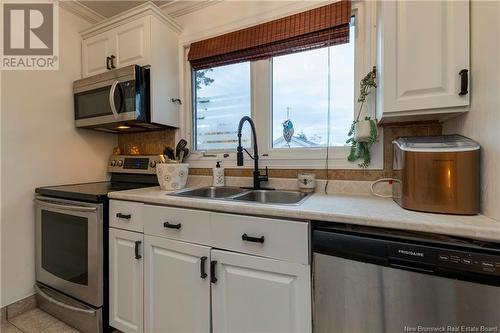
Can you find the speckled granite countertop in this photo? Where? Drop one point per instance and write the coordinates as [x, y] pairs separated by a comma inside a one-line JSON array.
[[357, 209]]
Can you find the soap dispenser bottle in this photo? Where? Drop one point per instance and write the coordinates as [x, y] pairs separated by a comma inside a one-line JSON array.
[[218, 175]]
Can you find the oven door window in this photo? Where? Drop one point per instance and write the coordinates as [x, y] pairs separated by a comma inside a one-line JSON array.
[[95, 103], [64, 246]]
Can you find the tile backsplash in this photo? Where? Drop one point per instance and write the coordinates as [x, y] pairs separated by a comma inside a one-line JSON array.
[[154, 142], [148, 143]]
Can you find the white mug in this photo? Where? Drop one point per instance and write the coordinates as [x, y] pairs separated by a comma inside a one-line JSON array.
[[306, 182]]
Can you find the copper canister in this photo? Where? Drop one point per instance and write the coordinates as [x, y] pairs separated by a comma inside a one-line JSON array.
[[438, 174]]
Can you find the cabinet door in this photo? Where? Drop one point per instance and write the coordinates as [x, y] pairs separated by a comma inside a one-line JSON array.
[[254, 294], [177, 286], [132, 43], [425, 44], [95, 50], [126, 280]]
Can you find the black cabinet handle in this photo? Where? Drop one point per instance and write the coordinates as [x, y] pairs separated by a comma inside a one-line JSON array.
[[176, 100], [112, 59], [171, 226], [203, 272], [108, 66], [247, 238], [137, 255], [213, 265], [123, 216], [464, 82]]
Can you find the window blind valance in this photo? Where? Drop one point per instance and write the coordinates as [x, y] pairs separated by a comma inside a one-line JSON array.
[[323, 26]]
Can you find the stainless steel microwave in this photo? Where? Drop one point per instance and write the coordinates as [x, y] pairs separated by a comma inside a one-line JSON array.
[[115, 101]]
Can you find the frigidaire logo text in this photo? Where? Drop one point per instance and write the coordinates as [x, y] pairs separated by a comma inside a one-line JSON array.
[[30, 36], [411, 253]]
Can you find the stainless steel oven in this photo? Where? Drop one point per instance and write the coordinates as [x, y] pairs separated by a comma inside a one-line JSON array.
[[69, 247], [115, 101]]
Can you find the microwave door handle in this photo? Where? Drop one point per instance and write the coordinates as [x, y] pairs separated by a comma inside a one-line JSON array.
[[66, 207], [112, 99]]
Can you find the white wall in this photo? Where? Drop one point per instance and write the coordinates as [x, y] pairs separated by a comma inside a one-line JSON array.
[[40, 146], [482, 123]]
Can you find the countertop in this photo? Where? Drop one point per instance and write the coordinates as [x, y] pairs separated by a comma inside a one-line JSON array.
[[356, 209]]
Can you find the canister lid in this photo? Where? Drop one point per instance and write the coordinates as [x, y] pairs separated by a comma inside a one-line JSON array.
[[438, 143]]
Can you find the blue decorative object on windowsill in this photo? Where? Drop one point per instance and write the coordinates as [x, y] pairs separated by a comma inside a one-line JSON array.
[[288, 129]]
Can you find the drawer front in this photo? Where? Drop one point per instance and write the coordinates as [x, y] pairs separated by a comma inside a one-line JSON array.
[[177, 223], [126, 215], [285, 240]]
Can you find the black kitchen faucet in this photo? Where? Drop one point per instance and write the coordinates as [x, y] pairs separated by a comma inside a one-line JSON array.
[[257, 177]]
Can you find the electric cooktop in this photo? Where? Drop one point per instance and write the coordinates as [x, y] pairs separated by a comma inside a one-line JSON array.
[[93, 192], [127, 173]]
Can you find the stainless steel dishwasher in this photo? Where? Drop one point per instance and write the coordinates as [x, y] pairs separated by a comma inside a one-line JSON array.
[[376, 280]]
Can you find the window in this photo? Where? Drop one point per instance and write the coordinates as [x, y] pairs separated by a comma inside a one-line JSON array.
[[305, 86], [221, 98], [315, 89], [309, 90]]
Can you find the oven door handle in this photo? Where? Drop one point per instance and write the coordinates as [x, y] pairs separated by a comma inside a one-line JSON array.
[[62, 304], [65, 206], [112, 99]]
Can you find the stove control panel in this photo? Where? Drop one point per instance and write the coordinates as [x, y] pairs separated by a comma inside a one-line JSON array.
[[139, 164]]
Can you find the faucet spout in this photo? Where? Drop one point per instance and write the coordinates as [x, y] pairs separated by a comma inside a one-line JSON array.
[[257, 177]]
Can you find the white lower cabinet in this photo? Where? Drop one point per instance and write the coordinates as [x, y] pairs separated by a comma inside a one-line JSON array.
[[254, 294], [194, 283], [126, 280], [177, 286]]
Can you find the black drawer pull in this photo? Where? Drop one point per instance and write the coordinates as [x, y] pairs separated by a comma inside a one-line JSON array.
[[123, 216], [247, 238], [213, 277], [171, 226], [108, 66], [464, 82], [203, 272], [137, 255], [112, 59]]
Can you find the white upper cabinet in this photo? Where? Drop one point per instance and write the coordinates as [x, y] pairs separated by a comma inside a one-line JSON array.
[[132, 43], [95, 52], [127, 44], [423, 46], [254, 294]]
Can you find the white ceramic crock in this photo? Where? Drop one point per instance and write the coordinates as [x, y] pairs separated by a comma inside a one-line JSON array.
[[172, 176]]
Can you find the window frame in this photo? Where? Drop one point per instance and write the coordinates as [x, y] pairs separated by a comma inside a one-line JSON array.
[[261, 110]]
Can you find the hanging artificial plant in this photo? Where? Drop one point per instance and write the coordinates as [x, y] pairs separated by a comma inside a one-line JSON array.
[[363, 133]]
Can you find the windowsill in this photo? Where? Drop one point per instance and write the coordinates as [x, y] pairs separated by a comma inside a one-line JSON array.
[[292, 160]]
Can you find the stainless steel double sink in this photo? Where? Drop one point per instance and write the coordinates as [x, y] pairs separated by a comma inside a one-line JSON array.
[[275, 197]]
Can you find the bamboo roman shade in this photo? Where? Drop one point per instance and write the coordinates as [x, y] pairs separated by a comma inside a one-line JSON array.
[[323, 26]]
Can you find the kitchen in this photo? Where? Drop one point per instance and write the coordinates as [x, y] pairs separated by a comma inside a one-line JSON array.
[[258, 252]]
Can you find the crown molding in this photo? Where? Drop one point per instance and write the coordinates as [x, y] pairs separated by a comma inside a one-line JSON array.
[[178, 8], [82, 11], [147, 8]]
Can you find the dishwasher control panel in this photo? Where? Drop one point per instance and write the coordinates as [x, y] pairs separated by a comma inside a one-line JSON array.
[[479, 263], [446, 258]]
